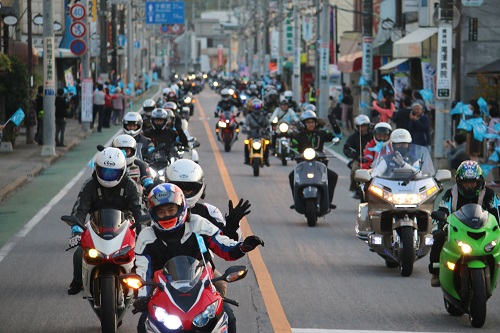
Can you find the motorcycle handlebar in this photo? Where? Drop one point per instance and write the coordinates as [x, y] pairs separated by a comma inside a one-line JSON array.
[[231, 301]]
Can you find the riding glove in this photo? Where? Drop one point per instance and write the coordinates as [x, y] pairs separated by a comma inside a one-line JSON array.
[[141, 303], [250, 243], [237, 213], [398, 159]]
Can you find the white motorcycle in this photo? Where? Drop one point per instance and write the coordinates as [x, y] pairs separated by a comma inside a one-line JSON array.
[[394, 215]]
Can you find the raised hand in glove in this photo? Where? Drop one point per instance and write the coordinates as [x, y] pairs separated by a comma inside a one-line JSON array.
[[398, 159], [141, 303], [237, 213], [75, 239], [250, 243]]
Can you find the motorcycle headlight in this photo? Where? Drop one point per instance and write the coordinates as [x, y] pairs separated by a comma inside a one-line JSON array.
[[222, 124], [243, 97], [231, 91], [403, 198], [209, 313], [170, 321], [187, 100], [283, 127], [256, 145], [309, 154], [464, 247], [489, 247], [205, 76], [216, 83], [93, 253]]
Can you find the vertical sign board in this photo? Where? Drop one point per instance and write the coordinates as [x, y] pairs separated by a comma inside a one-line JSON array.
[[87, 94], [444, 55], [288, 31], [49, 66], [323, 60], [368, 59]]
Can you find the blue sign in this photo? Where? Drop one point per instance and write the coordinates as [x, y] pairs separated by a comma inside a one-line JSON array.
[[165, 12], [137, 44], [121, 40]]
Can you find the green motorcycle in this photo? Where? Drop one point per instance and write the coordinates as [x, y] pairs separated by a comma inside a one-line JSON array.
[[469, 261]]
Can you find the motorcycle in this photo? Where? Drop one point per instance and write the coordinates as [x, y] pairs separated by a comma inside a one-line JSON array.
[[310, 189], [187, 101], [108, 242], [394, 215], [283, 133], [469, 261], [227, 129], [182, 297], [256, 145]]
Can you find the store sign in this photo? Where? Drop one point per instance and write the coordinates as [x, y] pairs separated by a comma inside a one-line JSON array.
[[472, 3], [444, 63], [410, 6]]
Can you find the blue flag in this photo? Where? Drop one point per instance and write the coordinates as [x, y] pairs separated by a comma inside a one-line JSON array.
[[380, 95], [17, 117], [377, 148], [487, 168], [388, 79], [483, 106], [494, 157], [426, 94], [362, 81]]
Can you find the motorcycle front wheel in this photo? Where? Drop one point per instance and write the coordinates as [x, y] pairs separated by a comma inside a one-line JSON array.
[[108, 305], [311, 212], [407, 251], [256, 166], [477, 310], [227, 142]]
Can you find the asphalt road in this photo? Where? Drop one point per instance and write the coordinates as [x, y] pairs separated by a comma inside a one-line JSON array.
[[325, 279]]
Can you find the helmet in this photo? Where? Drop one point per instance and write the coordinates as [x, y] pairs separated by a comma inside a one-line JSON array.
[[288, 94], [166, 91], [110, 166], [167, 194], [132, 118], [310, 107], [308, 115], [171, 106], [148, 105], [400, 135], [284, 102], [189, 176], [272, 95], [224, 93], [361, 120], [160, 114], [467, 173], [257, 105], [126, 141], [172, 96], [381, 129]]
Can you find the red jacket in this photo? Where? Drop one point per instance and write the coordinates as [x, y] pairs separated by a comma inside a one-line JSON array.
[[370, 155]]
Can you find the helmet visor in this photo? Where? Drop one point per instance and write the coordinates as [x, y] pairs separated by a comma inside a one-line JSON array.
[[189, 188], [108, 174]]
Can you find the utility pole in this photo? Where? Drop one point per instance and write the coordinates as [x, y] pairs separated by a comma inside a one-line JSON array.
[[114, 46], [367, 55], [324, 61], [49, 87], [317, 42], [280, 37], [296, 53], [103, 35], [86, 100], [30, 46], [130, 44], [443, 79]]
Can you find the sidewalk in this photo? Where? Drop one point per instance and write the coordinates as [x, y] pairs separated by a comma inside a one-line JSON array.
[[26, 162]]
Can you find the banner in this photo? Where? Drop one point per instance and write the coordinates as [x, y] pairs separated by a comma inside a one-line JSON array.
[[87, 94], [428, 75], [68, 77]]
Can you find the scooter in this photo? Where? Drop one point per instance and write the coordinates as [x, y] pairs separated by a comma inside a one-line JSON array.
[[183, 298], [394, 215], [227, 129], [469, 261], [107, 242], [310, 188]]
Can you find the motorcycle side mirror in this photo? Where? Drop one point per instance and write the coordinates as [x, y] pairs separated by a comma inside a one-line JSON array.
[[232, 274], [362, 176], [439, 216], [72, 221], [443, 175], [196, 143], [100, 147], [241, 123], [335, 141]]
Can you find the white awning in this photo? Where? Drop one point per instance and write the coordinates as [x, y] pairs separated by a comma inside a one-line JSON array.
[[410, 46], [393, 64]]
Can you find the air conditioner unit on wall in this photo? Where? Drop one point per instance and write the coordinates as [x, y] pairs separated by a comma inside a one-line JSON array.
[[426, 11]]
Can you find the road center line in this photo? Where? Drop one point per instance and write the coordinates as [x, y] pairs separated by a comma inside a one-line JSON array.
[[275, 311]]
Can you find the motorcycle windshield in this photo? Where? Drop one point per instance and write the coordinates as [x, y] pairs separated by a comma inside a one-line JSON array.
[[473, 216], [184, 272], [418, 162], [227, 114], [108, 223]]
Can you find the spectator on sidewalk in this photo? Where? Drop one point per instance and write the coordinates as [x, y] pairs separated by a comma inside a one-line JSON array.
[[118, 106], [61, 113], [108, 108], [39, 115], [347, 110], [385, 108], [98, 107], [420, 125], [457, 152], [31, 122], [402, 117]]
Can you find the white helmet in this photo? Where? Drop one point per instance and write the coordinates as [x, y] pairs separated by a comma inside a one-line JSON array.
[[110, 166], [189, 176], [224, 93], [148, 106], [166, 91], [135, 118], [361, 120], [382, 128], [400, 135], [126, 141], [288, 94]]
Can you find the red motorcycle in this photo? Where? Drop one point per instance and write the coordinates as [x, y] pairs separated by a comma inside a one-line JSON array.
[[183, 297], [227, 129], [108, 242]]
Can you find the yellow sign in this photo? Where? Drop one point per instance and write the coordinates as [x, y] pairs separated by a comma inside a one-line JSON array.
[[92, 10]]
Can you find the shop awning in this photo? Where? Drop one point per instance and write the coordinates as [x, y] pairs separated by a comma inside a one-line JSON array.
[[353, 62], [393, 64], [410, 46], [493, 68]]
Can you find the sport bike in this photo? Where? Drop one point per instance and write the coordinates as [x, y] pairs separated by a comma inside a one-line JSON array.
[[227, 129]]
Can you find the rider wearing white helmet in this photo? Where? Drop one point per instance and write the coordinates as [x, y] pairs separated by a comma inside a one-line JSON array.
[[132, 125], [381, 135], [108, 187]]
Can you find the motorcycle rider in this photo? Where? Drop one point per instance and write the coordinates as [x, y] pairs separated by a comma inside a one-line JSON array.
[[353, 148], [161, 131], [381, 135], [132, 125], [283, 114], [175, 231], [469, 188], [311, 137], [137, 169], [272, 101], [257, 122], [147, 107], [288, 95], [226, 103], [108, 187]]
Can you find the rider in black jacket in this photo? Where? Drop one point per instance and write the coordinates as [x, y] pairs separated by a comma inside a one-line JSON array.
[[226, 103], [161, 131]]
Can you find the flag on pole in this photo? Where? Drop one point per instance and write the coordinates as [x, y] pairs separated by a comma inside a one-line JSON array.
[[17, 117]]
